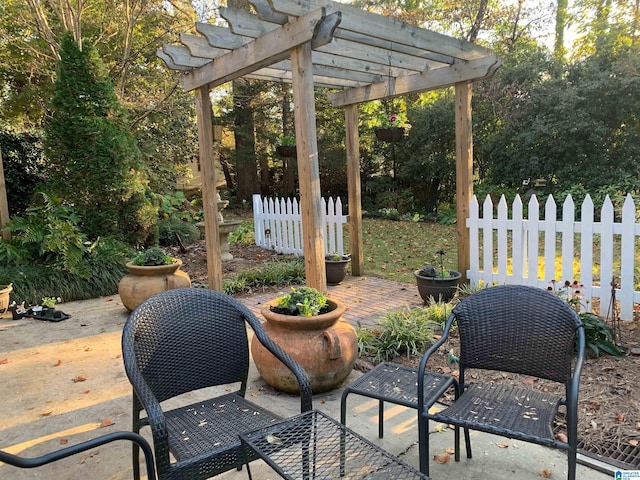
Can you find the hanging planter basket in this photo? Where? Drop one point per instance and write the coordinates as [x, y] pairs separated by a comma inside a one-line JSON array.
[[389, 134], [286, 150]]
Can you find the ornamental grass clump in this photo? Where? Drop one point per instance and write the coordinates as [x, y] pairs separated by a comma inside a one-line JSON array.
[[302, 302]]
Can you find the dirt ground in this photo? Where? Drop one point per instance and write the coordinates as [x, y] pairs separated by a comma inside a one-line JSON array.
[[609, 406]]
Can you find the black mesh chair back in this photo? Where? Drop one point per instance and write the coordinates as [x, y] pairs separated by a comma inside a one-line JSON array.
[[184, 340], [518, 329]]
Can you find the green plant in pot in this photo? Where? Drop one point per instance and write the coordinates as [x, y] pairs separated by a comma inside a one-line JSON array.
[[336, 267], [5, 292], [437, 283], [287, 146], [309, 327], [150, 272]]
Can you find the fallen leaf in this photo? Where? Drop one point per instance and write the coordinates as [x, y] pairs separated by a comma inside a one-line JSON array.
[[255, 394], [86, 391], [4, 361], [529, 380], [619, 417], [91, 454], [633, 443], [562, 437], [545, 472], [58, 363], [63, 441], [503, 445], [87, 349], [79, 378], [322, 402], [106, 423], [441, 458], [46, 414], [450, 450]]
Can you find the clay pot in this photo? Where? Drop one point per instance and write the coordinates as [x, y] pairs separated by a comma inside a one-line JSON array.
[[5, 291], [324, 345], [336, 270], [144, 281], [434, 288]]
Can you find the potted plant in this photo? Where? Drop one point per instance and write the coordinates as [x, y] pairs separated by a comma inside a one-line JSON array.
[[336, 267], [5, 291], [437, 283], [392, 127], [309, 327], [151, 271], [287, 146]]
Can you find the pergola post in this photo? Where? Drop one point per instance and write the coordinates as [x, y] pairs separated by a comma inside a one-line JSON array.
[[354, 189], [4, 204], [308, 168], [209, 197], [464, 171]]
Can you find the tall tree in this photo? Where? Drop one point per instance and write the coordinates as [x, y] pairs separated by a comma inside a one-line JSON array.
[[95, 161]]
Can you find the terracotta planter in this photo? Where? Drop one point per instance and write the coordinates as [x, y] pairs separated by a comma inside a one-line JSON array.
[[144, 282], [5, 291], [324, 345], [336, 270], [433, 288], [389, 134]]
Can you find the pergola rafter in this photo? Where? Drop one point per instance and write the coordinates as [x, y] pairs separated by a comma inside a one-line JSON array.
[[361, 56]]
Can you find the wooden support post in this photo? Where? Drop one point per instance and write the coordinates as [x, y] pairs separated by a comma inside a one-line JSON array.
[[209, 197], [353, 187], [4, 204], [464, 171], [308, 169]]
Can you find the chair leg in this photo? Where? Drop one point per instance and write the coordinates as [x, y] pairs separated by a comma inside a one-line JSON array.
[[380, 419], [423, 444], [467, 442], [343, 407]]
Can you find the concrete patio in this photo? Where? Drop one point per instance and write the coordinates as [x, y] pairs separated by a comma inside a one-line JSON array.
[[64, 382]]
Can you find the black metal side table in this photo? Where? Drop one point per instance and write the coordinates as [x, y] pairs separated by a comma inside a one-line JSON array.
[[313, 445], [389, 382]]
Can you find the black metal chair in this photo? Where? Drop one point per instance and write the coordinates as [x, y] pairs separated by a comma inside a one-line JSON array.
[[517, 329], [140, 442], [184, 340]]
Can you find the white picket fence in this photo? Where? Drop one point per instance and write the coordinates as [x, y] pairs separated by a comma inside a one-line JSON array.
[[278, 225], [509, 248]]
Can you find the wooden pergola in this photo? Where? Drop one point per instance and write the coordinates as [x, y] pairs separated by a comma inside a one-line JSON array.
[[364, 56]]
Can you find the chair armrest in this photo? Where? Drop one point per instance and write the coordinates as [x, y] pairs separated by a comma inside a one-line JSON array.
[[425, 358], [22, 462]]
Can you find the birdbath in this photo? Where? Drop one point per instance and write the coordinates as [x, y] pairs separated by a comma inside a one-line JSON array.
[[224, 229]]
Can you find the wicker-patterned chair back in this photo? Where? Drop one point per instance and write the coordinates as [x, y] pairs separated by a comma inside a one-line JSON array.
[[519, 329], [184, 340]]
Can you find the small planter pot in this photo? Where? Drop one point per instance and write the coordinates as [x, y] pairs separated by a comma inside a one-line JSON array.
[[389, 134], [145, 281], [336, 270], [433, 288], [286, 150], [5, 291]]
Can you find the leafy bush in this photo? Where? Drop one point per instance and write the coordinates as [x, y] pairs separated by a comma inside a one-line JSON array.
[[599, 335], [49, 235], [33, 282], [243, 235], [303, 302], [173, 227], [407, 331]]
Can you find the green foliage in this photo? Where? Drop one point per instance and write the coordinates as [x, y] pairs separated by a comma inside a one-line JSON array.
[[303, 301], [153, 256], [244, 234], [48, 301], [599, 335], [49, 235], [405, 331], [24, 168], [287, 140], [172, 227], [175, 205], [289, 271], [33, 282], [95, 162]]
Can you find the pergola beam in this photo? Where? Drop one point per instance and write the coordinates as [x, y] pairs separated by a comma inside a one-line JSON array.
[[431, 80], [270, 48]]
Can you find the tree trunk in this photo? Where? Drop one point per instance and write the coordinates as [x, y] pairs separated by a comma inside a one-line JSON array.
[[246, 172], [561, 24]]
